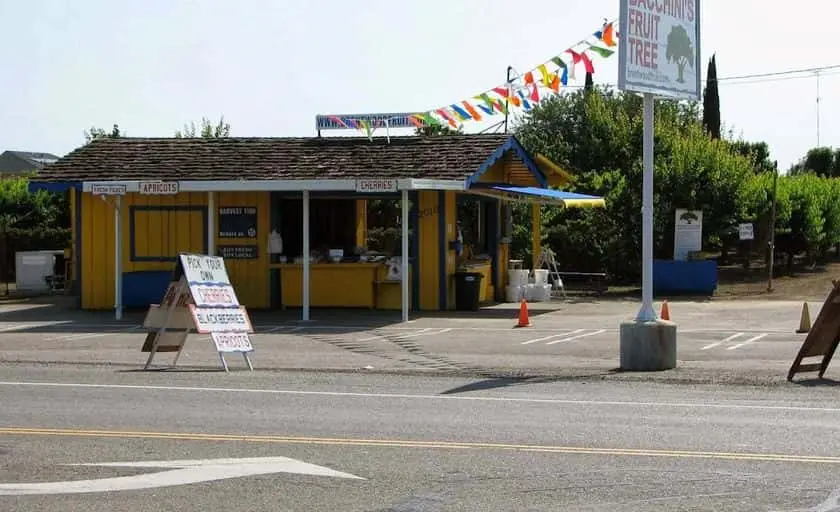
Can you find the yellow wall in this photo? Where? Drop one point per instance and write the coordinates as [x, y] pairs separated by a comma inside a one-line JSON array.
[[428, 219], [162, 231], [361, 223], [451, 259]]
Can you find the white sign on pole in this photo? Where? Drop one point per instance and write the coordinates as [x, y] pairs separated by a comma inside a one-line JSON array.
[[200, 297], [659, 47], [376, 185], [688, 232], [107, 189], [159, 187], [745, 231]]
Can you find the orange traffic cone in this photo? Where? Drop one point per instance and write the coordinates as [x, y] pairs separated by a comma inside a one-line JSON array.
[[524, 321], [665, 313]]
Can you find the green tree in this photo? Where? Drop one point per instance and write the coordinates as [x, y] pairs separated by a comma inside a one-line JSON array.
[[206, 130], [711, 101], [679, 50], [438, 129], [94, 133]]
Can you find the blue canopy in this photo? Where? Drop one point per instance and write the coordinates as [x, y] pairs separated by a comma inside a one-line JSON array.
[[547, 195]]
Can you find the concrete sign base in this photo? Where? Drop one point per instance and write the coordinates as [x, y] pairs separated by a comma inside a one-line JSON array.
[[648, 346]]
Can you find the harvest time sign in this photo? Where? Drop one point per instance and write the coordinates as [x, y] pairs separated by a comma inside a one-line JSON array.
[[662, 50]]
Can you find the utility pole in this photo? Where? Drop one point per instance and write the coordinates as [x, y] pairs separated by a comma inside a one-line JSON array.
[[507, 100], [772, 242], [818, 107]]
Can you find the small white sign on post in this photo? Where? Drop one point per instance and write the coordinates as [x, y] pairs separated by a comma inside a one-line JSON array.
[[688, 232], [376, 185], [160, 188], [199, 298], [107, 189], [745, 231]]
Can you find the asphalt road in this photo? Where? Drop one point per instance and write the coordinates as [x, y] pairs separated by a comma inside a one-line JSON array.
[[416, 443]]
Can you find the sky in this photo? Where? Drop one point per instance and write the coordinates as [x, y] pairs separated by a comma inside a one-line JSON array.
[[270, 66]]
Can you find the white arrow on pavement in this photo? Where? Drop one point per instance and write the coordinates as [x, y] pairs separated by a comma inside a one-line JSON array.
[[181, 472]]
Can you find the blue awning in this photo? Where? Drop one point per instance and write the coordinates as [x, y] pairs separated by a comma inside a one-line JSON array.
[[551, 196]]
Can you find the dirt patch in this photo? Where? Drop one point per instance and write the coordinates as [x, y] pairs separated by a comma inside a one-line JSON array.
[[803, 282]]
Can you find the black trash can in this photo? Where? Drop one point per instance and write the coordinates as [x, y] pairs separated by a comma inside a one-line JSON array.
[[467, 290]]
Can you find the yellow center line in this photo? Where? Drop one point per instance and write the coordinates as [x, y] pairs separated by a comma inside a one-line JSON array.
[[399, 443]]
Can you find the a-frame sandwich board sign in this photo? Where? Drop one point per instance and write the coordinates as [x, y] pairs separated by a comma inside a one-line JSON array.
[[199, 298], [822, 339]]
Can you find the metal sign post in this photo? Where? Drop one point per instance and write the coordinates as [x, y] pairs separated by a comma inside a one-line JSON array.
[[659, 55]]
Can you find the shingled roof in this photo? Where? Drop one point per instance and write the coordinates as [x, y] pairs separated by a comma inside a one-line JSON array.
[[442, 157]]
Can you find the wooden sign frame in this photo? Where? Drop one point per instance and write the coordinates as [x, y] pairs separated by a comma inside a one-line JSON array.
[[200, 299], [823, 337]]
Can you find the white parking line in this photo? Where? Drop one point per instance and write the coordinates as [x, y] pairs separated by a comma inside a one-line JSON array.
[[715, 344], [576, 337], [537, 340], [89, 335], [751, 340], [11, 328], [286, 328], [421, 332]]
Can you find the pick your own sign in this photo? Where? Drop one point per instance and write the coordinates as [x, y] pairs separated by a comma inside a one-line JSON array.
[[199, 298]]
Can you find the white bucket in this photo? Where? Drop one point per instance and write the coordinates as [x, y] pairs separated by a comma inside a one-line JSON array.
[[540, 276], [518, 277], [513, 293]]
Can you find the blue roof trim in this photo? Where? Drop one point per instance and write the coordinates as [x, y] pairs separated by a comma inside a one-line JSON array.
[[53, 186], [511, 144], [545, 192]]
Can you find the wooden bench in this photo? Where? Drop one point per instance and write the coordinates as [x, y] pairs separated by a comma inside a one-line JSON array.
[[595, 281]]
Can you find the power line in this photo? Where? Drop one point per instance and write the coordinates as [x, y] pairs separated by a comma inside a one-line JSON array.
[[780, 73]]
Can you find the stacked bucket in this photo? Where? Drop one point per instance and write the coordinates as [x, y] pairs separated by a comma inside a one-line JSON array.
[[520, 286]]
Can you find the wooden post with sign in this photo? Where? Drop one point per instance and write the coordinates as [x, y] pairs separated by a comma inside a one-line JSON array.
[[199, 298], [822, 339]]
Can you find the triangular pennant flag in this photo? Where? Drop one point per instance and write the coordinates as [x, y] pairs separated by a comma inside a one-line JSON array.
[[430, 119], [501, 91], [415, 120], [609, 36], [513, 99], [486, 110], [565, 78], [473, 112], [560, 62], [447, 116], [575, 60], [555, 83], [587, 63], [546, 76], [460, 113], [603, 52], [535, 92], [368, 131], [529, 78], [525, 103]]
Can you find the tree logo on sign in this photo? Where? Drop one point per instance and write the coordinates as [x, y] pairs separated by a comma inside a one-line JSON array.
[[679, 50]]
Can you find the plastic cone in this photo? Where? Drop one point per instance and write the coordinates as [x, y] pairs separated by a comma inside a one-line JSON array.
[[804, 320], [524, 321], [665, 313]]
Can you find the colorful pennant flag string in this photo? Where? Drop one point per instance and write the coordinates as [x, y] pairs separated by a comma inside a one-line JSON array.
[[524, 91]]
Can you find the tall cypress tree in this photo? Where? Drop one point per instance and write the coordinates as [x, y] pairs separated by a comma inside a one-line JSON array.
[[711, 101]]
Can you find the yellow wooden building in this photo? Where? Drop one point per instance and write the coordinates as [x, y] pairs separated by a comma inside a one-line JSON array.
[[138, 202]]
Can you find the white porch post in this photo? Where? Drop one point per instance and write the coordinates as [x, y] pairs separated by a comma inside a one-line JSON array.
[[118, 308], [211, 223], [306, 279], [404, 260]]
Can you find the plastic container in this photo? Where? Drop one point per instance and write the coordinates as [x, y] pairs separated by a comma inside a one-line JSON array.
[[540, 276], [467, 290], [513, 293], [518, 277]]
